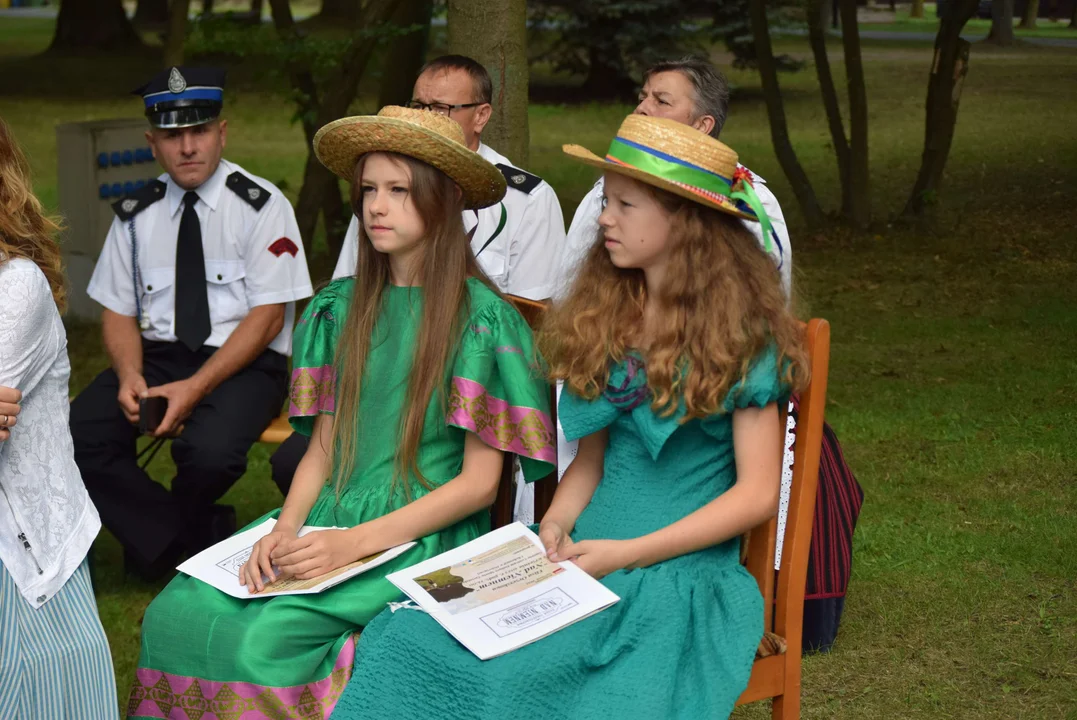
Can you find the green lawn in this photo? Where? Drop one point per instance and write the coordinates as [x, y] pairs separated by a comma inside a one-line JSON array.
[[952, 376], [1045, 28]]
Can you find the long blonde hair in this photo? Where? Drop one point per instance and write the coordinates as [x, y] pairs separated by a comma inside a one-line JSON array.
[[25, 230], [442, 272], [721, 304]]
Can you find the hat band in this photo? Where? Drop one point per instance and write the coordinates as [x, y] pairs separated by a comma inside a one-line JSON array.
[[193, 93], [702, 182]]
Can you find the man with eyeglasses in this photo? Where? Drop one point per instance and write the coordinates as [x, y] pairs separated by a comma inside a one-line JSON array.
[[518, 242]]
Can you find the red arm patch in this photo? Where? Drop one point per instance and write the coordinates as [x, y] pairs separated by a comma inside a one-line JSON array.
[[283, 245]]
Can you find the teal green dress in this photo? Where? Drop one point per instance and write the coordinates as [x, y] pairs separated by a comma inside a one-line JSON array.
[[212, 656], [681, 641]]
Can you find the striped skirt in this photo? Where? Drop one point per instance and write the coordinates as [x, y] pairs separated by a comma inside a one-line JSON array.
[[54, 661]]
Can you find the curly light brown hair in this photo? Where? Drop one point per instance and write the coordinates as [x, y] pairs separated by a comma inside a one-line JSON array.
[[721, 305], [25, 230]]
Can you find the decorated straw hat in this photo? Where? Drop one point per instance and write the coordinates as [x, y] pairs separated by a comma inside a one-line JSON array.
[[422, 134], [679, 159]]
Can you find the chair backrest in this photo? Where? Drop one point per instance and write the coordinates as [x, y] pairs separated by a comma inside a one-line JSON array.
[[533, 312], [783, 592]]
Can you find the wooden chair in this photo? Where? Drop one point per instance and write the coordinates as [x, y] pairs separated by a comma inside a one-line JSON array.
[[777, 676], [533, 312]]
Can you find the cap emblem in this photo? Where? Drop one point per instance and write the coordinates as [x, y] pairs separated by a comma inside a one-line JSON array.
[[176, 82]]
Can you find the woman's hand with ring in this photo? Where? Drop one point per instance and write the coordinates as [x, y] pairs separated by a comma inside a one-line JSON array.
[[9, 410]]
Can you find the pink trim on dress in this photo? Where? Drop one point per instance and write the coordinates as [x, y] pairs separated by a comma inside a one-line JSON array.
[[312, 391], [158, 694], [522, 430]]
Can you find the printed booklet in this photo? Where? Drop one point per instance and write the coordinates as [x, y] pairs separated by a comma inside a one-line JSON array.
[[500, 591], [220, 564]]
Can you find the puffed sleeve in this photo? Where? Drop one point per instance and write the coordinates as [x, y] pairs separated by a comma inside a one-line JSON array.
[[314, 377], [498, 389], [761, 386]]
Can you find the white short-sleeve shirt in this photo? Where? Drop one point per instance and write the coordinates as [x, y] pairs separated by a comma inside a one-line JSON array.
[[518, 242], [250, 242], [584, 230]]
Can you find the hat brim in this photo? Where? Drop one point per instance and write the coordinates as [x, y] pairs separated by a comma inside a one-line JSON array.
[[726, 205], [183, 117], [341, 143]]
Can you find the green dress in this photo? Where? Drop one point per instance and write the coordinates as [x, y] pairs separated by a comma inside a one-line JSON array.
[[290, 657], [681, 641]]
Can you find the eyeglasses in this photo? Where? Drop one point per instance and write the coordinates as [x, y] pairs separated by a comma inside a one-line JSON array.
[[441, 108]]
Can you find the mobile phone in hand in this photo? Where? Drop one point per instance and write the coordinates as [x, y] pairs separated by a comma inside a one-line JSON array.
[[151, 411]]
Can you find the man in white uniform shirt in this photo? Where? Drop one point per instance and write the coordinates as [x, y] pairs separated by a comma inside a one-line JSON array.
[[518, 242], [198, 277]]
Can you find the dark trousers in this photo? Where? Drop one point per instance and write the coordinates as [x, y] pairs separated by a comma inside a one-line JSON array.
[[210, 454], [286, 459]]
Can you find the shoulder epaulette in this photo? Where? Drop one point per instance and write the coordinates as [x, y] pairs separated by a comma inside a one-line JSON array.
[[134, 203], [251, 192], [518, 179]]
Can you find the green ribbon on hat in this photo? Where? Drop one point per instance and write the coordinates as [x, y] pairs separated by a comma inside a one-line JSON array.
[[640, 157]]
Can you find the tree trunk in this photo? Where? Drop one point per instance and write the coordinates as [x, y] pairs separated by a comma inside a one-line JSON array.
[[86, 27], [495, 34], [917, 9], [817, 40], [1073, 17], [407, 53], [859, 210], [1032, 9], [948, 70], [1001, 23], [207, 8], [779, 131], [177, 32], [151, 14], [256, 9], [318, 108], [342, 12]]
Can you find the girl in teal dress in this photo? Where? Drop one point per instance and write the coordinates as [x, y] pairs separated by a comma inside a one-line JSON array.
[[412, 379], [675, 347]]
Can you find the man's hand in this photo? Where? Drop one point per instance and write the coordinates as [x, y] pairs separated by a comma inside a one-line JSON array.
[[132, 388], [183, 396], [9, 410]]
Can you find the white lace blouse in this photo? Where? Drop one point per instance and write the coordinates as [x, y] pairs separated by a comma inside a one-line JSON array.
[[47, 522]]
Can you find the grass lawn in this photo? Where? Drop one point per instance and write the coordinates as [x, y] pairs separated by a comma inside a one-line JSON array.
[[1045, 28], [952, 376]]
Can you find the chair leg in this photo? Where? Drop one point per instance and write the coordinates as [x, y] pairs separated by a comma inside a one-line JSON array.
[[785, 707]]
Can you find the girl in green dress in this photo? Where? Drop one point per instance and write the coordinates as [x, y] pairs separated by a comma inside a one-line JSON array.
[[675, 347], [413, 379]]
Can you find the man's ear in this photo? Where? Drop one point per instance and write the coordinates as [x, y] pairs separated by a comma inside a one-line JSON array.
[[704, 123], [150, 141], [224, 132], [482, 116]]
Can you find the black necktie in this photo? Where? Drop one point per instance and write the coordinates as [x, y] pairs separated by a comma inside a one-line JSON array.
[[192, 303]]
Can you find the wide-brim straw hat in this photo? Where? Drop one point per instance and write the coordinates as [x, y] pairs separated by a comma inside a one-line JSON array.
[[421, 134], [679, 159]]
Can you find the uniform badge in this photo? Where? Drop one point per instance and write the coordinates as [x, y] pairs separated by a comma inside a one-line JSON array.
[[254, 193], [283, 245], [176, 82], [129, 205], [518, 179]]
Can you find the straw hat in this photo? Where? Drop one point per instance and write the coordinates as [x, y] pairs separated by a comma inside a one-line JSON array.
[[679, 159], [422, 134]]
